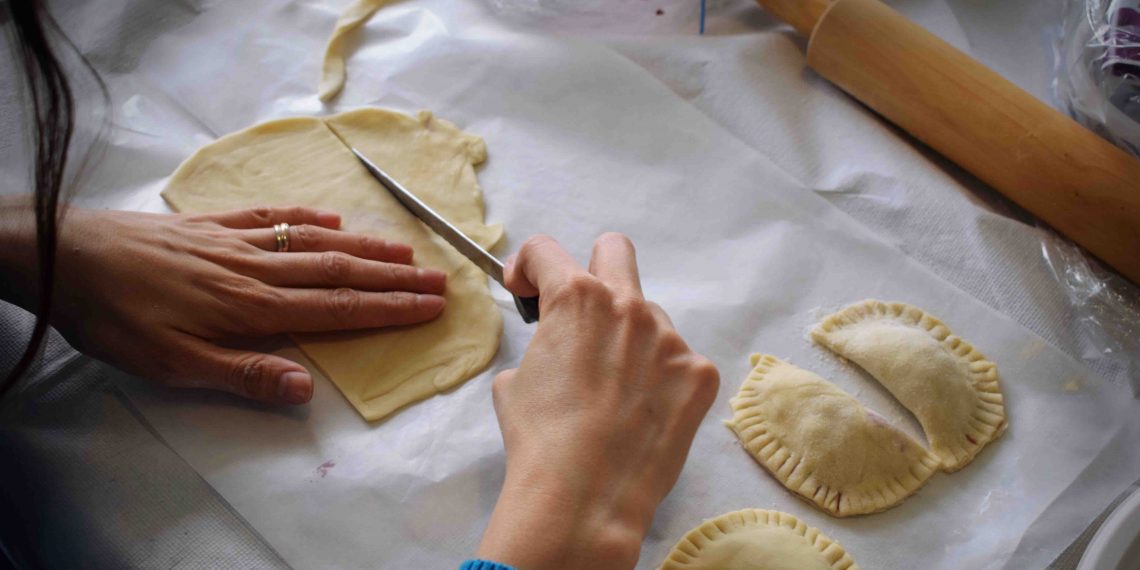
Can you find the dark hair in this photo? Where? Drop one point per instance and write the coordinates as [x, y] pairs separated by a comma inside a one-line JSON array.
[[52, 107]]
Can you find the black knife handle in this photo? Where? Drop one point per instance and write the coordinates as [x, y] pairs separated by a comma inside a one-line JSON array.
[[528, 308]]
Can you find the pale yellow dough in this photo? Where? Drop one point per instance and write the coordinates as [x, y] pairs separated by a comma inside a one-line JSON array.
[[756, 539], [333, 68], [822, 444], [302, 162], [948, 385]]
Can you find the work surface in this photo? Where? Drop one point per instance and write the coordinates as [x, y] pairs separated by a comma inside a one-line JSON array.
[[712, 153]]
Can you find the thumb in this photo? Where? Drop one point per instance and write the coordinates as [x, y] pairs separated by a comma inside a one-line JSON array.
[[254, 375]]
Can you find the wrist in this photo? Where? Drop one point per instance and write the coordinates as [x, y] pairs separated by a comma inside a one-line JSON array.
[[18, 262], [544, 523]]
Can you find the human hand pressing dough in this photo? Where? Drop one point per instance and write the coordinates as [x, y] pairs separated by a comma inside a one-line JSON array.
[[154, 294]]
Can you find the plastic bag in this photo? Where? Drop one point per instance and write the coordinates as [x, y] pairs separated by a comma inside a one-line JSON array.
[[1106, 309], [1098, 81], [1098, 75]]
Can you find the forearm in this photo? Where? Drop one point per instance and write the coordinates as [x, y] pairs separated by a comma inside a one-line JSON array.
[[18, 267]]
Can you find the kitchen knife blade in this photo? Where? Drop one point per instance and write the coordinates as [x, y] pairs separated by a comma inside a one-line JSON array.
[[527, 306]]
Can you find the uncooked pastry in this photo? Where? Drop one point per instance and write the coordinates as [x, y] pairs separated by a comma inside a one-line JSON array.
[[755, 539], [302, 162], [822, 444], [949, 386], [333, 68]]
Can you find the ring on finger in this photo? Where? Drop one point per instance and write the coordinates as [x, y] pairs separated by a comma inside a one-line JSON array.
[[281, 232]]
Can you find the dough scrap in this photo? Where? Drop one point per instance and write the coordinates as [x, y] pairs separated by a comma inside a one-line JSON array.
[[756, 539], [301, 161], [945, 382], [333, 69], [822, 444]]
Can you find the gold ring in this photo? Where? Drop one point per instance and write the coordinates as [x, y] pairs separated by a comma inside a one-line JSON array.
[[281, 231]]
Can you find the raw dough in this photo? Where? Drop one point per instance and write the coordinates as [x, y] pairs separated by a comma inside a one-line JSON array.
[[332, 70], [302, 162], [948, 385], [822, 444], [755, 539]]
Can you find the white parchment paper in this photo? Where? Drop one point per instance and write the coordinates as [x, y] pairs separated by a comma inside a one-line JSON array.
[[583, 139]]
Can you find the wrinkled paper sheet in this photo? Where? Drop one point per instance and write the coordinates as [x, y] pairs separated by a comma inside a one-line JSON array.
[[583, 140]]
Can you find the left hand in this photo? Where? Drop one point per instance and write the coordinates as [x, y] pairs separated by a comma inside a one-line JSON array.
[[156, 294]]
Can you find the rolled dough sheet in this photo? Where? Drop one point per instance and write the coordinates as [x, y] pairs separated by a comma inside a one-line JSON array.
[[301, 161]]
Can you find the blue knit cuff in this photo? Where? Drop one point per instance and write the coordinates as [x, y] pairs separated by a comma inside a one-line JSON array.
[[484, 565]]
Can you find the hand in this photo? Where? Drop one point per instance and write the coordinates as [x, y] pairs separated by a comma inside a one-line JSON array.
[[155, 294], [599, 416]]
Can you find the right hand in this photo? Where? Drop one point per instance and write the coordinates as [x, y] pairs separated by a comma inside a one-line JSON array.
[[598, 419]]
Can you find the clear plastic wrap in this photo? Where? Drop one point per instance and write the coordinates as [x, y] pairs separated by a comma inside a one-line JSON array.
[[1106, 310], [1098, 82], [1098, 75]]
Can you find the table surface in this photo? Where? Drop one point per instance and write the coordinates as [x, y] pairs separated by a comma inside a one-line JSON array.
[[96, 477]]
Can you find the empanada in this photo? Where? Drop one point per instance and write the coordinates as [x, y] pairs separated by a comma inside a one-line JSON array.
[[755, 539], [949, 386], [823, 444]]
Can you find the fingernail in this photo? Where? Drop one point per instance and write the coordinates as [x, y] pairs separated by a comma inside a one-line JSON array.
[[510, 260], [431, 303], [328, 219], [400, 251], [431, 279], [295, 387]]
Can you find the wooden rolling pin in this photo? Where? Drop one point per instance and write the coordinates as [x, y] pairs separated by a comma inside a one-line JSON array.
[[1086, 188]]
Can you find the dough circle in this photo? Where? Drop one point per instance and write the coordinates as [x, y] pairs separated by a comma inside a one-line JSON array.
[[756, 539], [303, 162]]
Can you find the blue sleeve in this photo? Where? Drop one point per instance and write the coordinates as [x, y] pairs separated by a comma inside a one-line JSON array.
[[484, 565]]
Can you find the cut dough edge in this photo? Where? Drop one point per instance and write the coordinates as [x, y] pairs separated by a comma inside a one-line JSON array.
[[759, 435], [333, 71], [396, 392], [687, 552], [988, 419]]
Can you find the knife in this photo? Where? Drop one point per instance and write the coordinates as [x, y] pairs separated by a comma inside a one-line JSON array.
[[527, 306]]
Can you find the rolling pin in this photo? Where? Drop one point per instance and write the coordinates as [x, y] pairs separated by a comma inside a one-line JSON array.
[[1086, 188]]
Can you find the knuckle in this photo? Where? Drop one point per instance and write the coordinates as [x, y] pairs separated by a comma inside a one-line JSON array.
[[582, 286], [232, 257], [261, 214], [393, 275], [704, 374], [306, 237], [535, 243], [249, 292], [671, 342], [249, 374], [343, 303], [335, 266], [241, 293], [370, 244], [632, 308]]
